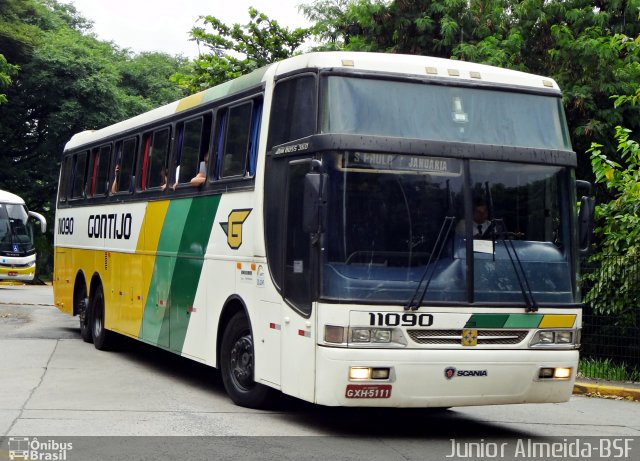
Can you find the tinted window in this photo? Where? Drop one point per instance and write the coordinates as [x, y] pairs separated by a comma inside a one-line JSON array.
[[79, 175], [157, 158], [293, 112], [100, 171], [234, 159], [65, 178], [125, 161], [189, 151]]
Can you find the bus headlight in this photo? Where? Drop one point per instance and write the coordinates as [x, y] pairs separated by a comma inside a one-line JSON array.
[[554, 338], [371, 335], [376, 337]]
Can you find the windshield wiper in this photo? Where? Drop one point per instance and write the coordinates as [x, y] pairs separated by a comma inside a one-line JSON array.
[[418, 296], [498, 228]]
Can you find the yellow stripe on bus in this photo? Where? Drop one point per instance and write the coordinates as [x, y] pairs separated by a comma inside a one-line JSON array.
[[190, 101], [557, 321]]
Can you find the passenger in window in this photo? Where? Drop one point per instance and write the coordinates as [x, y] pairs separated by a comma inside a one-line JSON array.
[[164, 179], [199, 179], [116, 175]]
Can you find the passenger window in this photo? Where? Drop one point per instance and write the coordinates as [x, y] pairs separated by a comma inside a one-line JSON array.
[[65, 179], [100, 161], [124, 166], [154, 159], [236, 144], [193, 148], [79, 175]]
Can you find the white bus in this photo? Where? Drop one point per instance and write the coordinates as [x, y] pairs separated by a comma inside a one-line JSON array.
[[17, 251], [309, 228]]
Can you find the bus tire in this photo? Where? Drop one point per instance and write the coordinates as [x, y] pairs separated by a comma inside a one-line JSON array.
[[237, 365], [102, 338], [82, 305]]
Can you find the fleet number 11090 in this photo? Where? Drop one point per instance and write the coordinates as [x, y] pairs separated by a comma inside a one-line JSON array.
[[394, 319]]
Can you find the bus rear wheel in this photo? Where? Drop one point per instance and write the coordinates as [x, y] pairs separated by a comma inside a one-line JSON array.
[[82, 307], [102, 338], [237, 365]]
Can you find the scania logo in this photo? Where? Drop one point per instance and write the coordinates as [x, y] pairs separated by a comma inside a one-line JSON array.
[[450, 372]]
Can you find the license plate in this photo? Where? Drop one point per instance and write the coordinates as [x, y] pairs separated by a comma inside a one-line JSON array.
[[368, 391]]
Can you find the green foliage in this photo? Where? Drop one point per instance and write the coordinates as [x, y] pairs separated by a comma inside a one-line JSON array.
[[582, 45], [238, 49], [618, 228], [607, 369], [68, 81], [6, 71]]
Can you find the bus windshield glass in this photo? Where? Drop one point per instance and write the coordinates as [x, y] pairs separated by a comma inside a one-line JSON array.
[[443, 113], [396, 224], [16, 235]]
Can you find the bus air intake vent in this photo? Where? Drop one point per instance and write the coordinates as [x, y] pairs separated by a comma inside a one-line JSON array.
[[485, 337]]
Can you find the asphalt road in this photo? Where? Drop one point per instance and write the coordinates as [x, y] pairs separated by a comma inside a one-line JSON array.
[[56, 387]]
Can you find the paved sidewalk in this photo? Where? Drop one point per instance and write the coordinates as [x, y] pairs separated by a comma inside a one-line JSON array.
[[602, 387]]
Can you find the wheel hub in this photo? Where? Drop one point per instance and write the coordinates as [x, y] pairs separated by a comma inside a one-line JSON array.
[[242, 362]]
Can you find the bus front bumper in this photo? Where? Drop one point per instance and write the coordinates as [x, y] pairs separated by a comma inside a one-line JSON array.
[[442, 378], [24, 274]]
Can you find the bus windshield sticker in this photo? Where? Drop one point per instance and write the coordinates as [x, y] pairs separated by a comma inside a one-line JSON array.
[[419, 163]]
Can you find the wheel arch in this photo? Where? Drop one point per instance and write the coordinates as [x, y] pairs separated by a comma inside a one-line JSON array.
[[96, 281], [232, 306], [79, 282]]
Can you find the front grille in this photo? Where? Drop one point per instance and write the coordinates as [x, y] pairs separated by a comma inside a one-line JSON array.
[[485, 337], [16, 266]]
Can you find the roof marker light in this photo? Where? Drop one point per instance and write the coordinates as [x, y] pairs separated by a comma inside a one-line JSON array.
[[431, 70], [475, 74], [453, 72], [348, 62]]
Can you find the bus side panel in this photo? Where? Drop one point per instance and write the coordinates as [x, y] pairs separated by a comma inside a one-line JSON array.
[[175, 273], [63, 280]]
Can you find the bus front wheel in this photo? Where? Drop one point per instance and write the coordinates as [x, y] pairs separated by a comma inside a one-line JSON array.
[[237, 365]]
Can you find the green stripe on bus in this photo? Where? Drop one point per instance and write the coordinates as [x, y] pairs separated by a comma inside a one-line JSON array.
[[155, 321], [504, 321], [523, 321], [487, 321], [235, 86], [188, 268]]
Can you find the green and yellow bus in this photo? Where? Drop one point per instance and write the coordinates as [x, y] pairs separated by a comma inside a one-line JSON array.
[[309, 228]]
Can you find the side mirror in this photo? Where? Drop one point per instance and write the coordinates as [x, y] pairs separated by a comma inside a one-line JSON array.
[[585, 217], [314, 202], [39, 217]]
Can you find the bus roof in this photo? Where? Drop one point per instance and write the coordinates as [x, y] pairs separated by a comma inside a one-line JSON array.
[[367, 62], [8, 197]]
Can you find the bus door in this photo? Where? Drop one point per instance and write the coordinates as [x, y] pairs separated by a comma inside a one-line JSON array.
[[298, 332]]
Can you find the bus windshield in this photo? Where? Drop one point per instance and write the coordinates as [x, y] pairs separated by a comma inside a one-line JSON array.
[[394, 220], [16, 235], [443, 113]]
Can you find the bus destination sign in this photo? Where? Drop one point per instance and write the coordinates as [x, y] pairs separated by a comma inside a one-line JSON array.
[[378, 161]]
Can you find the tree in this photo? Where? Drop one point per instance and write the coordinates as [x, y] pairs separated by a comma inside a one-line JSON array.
[[238, 49], [68, 82], [615, 287], [582, 44], [6, 71]]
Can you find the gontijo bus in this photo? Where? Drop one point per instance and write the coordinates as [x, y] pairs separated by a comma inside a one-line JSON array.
[[329, 254], [17, 251]]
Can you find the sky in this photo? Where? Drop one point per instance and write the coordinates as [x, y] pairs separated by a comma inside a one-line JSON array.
[[164, 25]]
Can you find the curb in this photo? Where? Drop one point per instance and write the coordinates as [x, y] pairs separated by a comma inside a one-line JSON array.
[[628, 393]]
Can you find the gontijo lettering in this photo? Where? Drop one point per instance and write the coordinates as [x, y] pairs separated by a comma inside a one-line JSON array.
[[110, 226]]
